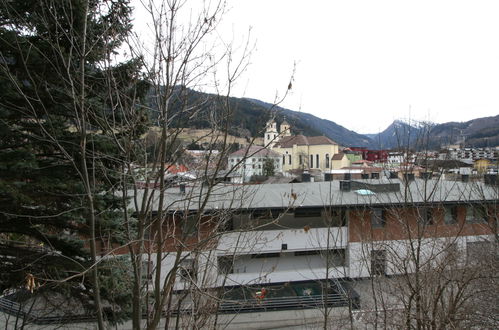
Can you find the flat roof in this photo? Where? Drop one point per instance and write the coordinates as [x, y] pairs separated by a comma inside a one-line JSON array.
[[319, 194]]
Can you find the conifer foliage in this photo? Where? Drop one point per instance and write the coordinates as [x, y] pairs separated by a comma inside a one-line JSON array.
[[59, 159]]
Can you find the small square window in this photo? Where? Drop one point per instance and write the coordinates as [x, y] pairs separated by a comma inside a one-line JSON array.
[[476, 213], [187, 269], [427, 215], [226, 265]]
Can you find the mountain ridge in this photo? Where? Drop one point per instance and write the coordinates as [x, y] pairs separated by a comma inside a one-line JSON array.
[[249, 117]]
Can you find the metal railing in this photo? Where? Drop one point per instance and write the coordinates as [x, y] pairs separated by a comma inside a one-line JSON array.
[[13, 308]]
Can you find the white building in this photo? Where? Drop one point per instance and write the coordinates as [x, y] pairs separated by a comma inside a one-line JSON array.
[[252, 161]]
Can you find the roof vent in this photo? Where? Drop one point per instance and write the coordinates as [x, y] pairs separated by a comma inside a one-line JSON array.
[[305, 177], [490, 179], [409, 176], [345, 185], [425, 175]]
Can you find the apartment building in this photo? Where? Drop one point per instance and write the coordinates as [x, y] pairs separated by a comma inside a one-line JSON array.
[[293, 233]]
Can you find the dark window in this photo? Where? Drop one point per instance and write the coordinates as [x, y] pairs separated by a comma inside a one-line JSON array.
[[476, 213], [147, 268], [187, 269], [327, 160], [378, 217], [283, 159], [427, 215], [265, 255], [450, 215], [311, 161], [307, 253], [190, 224], [226, 224], [265, 214], [374, 175], [226, 265], [289, 159], [317, 161], [378, 262], [304, 212]]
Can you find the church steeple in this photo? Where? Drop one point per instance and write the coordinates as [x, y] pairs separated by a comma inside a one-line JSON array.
[[285, 128], [271, 135]]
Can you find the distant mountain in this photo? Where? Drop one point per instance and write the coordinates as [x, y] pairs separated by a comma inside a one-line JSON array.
[[336, 132], [480, 132], [396, 135], [249, 117]]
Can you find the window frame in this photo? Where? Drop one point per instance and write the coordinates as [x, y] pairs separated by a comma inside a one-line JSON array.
[[378, 217]]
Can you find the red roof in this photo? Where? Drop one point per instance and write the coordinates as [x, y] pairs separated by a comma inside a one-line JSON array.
[[301, 140], [174, 169], [338, 156]]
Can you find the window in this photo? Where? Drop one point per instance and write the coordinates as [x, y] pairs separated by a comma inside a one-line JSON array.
[[327, 160], [304, 212], [268, 136], [253, 160], [147, 269], [227, 224], [226, 265], [265, 214], [283, 159], [300, 159], [338, 217], [427, 215], [311, 161], [307, 253], [189, 226], [378, 262], [289, 159], [476, 213], [374, 175], [450, 215], [265, 255], [187, 269], [378, 218], [317, 161]]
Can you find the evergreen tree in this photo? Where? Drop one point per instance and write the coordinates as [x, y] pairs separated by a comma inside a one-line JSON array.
[[59, 160]]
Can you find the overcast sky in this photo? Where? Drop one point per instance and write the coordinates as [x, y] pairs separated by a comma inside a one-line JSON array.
[[364, 63]]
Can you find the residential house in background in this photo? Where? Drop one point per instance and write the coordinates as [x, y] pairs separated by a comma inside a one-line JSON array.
[[340, 160], [254, 161]]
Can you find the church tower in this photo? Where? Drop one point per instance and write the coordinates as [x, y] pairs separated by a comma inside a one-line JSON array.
[[271, 135], [285, 128]]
